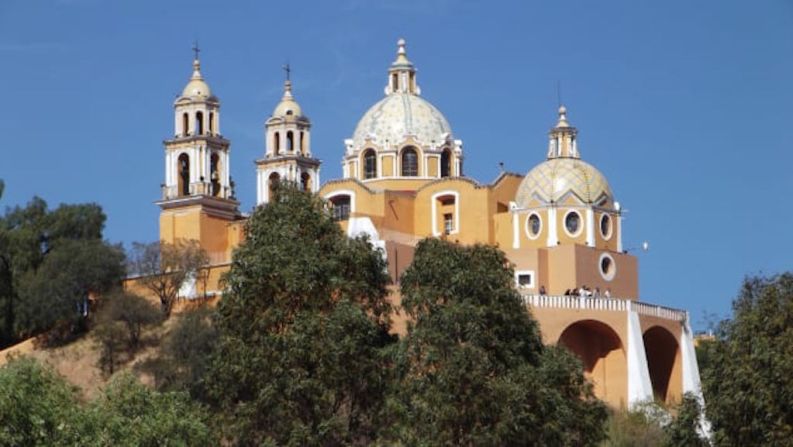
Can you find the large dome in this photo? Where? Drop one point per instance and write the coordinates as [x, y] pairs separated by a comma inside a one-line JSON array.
[[398, 115], [553, 179]]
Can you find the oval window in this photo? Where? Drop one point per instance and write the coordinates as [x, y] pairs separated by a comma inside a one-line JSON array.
[[605, 226], [534, 225], [572, 223], [607, 267]]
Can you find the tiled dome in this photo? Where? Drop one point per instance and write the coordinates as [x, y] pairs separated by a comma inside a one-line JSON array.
[[553, 179]]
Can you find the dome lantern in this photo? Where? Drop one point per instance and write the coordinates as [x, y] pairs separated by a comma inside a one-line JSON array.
[[562, 138], [402, 74]]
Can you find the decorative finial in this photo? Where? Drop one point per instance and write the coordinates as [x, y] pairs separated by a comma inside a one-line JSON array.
[[562, 116], [401, 44], [196, 61]]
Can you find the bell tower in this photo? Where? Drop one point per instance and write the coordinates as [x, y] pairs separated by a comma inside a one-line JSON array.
[[198, 194], [287, 154]]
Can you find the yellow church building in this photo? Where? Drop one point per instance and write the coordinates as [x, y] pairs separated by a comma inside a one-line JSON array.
[[403, 180]]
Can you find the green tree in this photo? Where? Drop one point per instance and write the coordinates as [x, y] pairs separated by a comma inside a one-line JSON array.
[[130, 414], [472, 369], [50, 262], [185, 354], [684, 429], [302, 324], [748, 381], [163, 268], [37, 407]]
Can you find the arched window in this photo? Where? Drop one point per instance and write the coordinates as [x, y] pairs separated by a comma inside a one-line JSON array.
[[273, 184], [410, 162], [446, 163], [184, 175], [211, 123], [302, 143], [185, 124], [214, 173], [395, 81], [341, 207], [305, 181], [276, 143], [369, 164], [199, 123], [290, 141]]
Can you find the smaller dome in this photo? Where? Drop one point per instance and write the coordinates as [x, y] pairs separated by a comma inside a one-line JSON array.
[[197, 86], [553, 179], [288, 105]]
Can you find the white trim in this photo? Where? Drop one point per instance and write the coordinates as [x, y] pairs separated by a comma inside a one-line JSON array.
[[619, 233], [526, 226], [580, 223], [608, 276], [434, 206], [553, 237], [343, 192], [590, 227], [515, 231], [532, 283]]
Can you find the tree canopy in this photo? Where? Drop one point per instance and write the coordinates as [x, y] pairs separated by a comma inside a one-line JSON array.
[[50, 263], [472, 369], [748, 379], [300, 326]]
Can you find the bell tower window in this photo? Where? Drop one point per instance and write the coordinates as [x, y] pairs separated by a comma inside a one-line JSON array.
[[276, 143], [410, 162], [290, 141], [199, 123], [273, 184], [185, 124], [211, 123], [446, 163], [184, 175], [369, 164], [302, 143], [305, 181], [214, 175]]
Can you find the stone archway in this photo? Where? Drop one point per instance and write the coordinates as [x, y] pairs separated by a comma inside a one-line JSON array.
[[662, 362], [603, 356]]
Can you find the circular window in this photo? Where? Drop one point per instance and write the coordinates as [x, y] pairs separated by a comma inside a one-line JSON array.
[[605, 226], [608, 268], [572, 223], [533, 226]]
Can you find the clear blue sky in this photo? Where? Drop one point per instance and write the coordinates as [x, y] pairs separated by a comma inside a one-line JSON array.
[[687, 107]]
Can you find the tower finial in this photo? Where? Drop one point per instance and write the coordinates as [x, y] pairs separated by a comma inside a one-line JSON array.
[[562, 116], [401, 44], [196, 61]]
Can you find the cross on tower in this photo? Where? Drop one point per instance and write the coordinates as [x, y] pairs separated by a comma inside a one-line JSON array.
[[196, 50], [288, 70]]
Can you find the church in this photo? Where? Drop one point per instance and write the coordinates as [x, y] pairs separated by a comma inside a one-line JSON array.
[[403, 180]]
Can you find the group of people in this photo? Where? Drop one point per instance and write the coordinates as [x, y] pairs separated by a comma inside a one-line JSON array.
[[583, 292], [586, 292]]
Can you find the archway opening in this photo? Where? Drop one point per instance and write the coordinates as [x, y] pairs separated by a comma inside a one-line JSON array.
[[661, 349], [199, 123], [185, 125], [184, 175], [214, 169], [446, 163], [272, 183], [290, 141], [276, 143], [602, 355], [305, 181]]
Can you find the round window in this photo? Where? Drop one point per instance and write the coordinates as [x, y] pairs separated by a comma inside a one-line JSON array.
[[572, 223], [534, 226], [607, 267], [605, 226]]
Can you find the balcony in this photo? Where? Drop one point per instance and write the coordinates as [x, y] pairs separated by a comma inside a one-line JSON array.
[[604, 304]]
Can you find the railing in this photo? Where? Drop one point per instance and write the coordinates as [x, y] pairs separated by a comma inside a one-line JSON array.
[[604, 304]]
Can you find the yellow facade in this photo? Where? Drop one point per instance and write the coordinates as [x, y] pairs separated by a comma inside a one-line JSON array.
[[403, 181]]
